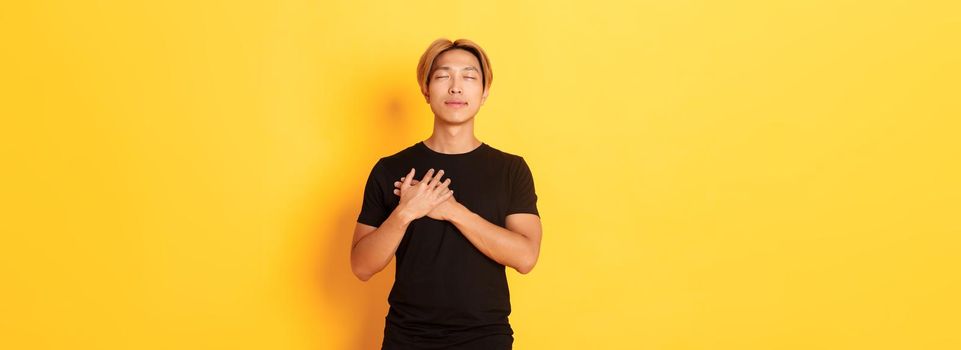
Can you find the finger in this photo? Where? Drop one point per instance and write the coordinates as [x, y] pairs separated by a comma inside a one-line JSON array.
[[396, 191], [443, 185], [446, 195], [410, 174], [433, 183], [412, 182], [442, 193], [441, 190], [428, 175]]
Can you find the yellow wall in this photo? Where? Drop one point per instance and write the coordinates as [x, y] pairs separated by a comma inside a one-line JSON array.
[[712, 175]]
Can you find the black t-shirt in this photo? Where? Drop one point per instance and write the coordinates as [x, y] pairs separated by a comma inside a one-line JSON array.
[[447, 293]]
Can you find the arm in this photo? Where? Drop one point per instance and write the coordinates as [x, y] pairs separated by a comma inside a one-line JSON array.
[[373, 247], [517, 245]]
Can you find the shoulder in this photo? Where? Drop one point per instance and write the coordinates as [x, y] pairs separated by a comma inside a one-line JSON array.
[[514, 163], [400, 157], [405, 153], [381, 168], [511, 158]]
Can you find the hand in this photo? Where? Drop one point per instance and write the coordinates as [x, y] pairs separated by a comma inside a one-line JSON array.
[[420, 198], [442, 211]]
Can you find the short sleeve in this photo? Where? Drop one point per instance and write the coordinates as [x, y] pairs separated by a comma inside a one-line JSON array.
[[523, 198], [373, 211]]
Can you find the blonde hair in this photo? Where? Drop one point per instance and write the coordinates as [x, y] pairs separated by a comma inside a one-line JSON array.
[[426, 65]]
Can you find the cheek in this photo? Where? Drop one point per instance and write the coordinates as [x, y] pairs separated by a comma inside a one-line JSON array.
[[436, 90], [477, 93]]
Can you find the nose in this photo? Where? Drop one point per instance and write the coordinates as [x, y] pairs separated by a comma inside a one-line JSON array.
[[455, 87]]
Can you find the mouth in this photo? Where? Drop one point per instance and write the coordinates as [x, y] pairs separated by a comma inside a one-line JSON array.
[[455, 104]]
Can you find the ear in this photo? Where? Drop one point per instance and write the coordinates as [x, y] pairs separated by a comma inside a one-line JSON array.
[[484, 96]]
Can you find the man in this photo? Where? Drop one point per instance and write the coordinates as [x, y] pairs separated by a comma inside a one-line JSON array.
[[450, 288]]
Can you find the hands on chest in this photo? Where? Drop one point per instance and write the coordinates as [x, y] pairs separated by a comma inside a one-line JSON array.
[[428, 196]]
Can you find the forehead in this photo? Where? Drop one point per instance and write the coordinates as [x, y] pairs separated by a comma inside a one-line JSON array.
[[456, 59]]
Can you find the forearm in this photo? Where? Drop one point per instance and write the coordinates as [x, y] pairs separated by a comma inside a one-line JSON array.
[[500, 244], [373, 252]]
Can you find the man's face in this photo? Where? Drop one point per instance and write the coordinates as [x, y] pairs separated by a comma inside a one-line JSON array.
[[456, 87]]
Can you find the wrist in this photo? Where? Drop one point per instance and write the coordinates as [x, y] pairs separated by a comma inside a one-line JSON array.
[[457, 213], [403, 215]]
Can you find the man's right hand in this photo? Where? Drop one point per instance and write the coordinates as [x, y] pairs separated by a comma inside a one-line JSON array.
[[416, 200]]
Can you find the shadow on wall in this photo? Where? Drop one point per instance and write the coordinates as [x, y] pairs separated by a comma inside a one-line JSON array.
[[362, 306]]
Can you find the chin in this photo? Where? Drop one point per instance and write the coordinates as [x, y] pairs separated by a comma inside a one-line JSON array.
[[456, 118]]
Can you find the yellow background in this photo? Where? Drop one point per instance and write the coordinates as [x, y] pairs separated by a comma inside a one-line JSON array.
[[711, 175]]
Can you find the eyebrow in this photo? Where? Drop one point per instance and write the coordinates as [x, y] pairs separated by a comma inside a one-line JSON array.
[[465, 68]]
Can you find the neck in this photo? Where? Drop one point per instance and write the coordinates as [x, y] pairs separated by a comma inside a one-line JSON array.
[[453, 139]]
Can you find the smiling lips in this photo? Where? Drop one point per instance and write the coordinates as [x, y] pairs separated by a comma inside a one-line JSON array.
[[455, 104]]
